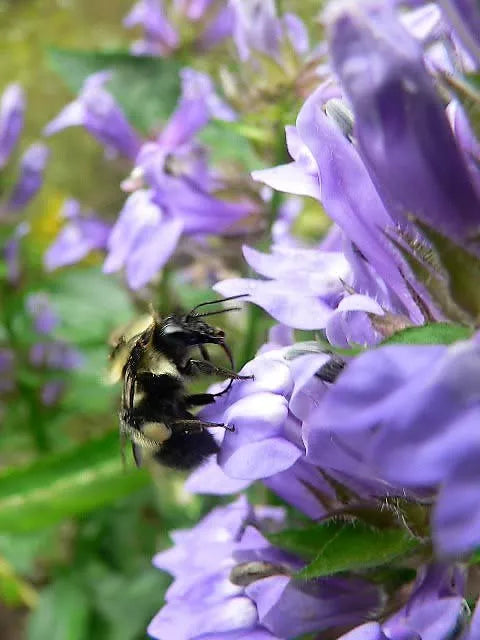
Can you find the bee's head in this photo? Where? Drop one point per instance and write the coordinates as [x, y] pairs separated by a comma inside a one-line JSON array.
[[190, 331], [180, 332]]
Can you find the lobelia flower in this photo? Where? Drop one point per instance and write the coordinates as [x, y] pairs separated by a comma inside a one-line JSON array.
[[181, 195], [163, 26], [49, 353], [230, 582], [335, 168], [408, 415], [304, 285], [160, 37], [30, 179], [308, 289], [435, 610], [12, 111], [464, 16], [97, 111], [80, 235], [268, 444], [402, 132], [258, 29]]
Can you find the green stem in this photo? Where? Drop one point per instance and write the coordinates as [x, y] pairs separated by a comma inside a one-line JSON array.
[[249, 345]]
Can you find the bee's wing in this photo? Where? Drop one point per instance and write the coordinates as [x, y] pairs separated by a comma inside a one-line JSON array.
[[122, 342]]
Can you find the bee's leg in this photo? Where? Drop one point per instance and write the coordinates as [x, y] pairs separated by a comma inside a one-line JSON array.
[[204, 352], [200, 399], [203, 366], [138, 437], [195, 424]]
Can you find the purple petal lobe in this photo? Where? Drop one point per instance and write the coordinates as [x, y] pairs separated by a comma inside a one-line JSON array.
[[32, 167], [403, 133], [287, 305], [154, 248], [12, 111], [187, 621], [211, 479]]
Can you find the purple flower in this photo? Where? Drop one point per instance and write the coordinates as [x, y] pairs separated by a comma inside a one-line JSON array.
[[11, 253], [161, 37], [308, 290], [268, 414], [180, 198], [142, 240], [230, 580], [80, 235], [218, 28], [32, 167], [55, 354], [464, 17], [304, 285], [12, 110], [199, 103], [97, 111], [402, 132], [51, 392], [328, 167], [256, 28], [44, 317], [192, 9], [299, 177], [436, 610], [407, 415], [163, 33]]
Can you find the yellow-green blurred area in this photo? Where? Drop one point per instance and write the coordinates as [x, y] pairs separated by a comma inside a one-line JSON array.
[[27, 29], [77, 530]]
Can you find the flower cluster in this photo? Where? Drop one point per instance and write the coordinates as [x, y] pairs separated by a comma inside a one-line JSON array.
[[230, 580], [33, 160], [173, 190], [366, 430], [210, 22], [49, 354], [28, 181], [343, 426]]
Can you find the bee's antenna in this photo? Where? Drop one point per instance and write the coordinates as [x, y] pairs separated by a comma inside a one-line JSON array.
[[216, 313], [204, 304]]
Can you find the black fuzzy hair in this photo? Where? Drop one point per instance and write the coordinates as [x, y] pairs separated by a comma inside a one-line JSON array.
[[186, 450]]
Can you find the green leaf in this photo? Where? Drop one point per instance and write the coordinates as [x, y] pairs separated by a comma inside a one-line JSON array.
[[126, 602], [62, 485], [14, 590], [226, 143], [462, 269], [435, 333], [62, 613], [146, 88], [467, 90], [475, 557], [344, 546], [90, 305], [429, 273], [304, 542]]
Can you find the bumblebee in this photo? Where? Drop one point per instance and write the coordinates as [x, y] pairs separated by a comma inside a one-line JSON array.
[[153, 359]]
